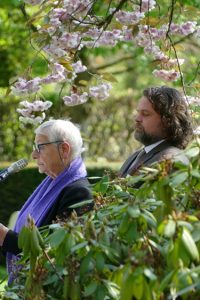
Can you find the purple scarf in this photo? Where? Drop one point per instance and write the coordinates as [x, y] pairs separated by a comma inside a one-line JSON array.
[[42, 199]]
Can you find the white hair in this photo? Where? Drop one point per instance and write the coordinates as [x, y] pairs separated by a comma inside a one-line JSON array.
[[63, 130]]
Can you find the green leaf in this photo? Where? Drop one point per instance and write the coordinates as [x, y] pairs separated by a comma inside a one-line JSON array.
[[109, 77], [100, 293], [150, 274], [190, 245], [179, 178], [102, 185], [149, 217], [169, 229], [185, 224], [57, 237], [82, 203], [78, 246], [127, 288], [112, 288], [138, 286], [50, 279], [124, 225], [85, 264], [100, 261], [166, 281], [11, 296], [83, 82], [90, 288], [132, 233], [195, 173], [134, 212], [192, 152]]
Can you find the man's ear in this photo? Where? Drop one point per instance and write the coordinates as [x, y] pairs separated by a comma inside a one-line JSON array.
[[66, 150]]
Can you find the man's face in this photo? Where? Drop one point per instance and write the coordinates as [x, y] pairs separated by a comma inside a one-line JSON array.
[[148, 125]]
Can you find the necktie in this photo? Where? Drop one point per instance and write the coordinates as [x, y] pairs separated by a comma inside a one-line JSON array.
[[137, 161]]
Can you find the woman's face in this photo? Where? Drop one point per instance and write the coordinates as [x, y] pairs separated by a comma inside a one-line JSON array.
[[49, 157]]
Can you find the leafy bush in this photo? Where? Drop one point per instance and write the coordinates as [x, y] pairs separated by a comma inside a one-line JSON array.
[[138, 243]]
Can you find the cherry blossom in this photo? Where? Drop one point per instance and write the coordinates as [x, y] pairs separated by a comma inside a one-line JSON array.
[[129, 18], [30, 110], [24, 87], [33, 120], [70, 25], [168, 75], [183, 29], [147, 5], [193, 100], [196, 131], [101, 91], [75, 99], [79, 67]]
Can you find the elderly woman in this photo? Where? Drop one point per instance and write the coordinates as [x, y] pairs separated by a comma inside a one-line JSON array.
[[57, 150]]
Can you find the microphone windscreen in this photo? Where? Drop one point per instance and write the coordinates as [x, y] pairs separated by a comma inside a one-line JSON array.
[[18, 165]]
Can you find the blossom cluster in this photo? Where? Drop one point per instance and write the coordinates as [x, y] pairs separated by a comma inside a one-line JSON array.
[[71, 25], [100, 92], [29, 112], [192, 100], [196, 131], [168, 75]]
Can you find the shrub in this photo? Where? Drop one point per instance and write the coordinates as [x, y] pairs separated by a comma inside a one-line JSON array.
[[138, 243]]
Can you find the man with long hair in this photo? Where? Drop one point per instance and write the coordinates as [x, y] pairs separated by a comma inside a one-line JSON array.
[[163, 125]]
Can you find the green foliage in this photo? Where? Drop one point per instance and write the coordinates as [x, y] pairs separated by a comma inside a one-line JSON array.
[[137, 243]]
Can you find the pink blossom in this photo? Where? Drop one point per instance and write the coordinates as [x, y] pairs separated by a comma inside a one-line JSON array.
[[196, 131], [69, 40], [101, 91], [32, 120], [171, 63], [193, 100], [57, 74], [29, 110], [37, 105], [184, 28], [170, 75], [79, 67], [75, 7], [147, 5], [23, 87], [129, 18], [127, 34], [105, 38], [75, 99]]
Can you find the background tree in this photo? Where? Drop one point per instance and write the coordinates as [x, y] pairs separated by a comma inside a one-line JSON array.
[[123, 43]]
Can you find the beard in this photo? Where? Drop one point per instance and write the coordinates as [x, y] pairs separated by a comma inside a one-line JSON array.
[[144, 137]]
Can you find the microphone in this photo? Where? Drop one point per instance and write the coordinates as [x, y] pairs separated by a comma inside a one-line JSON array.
[[14, 167]]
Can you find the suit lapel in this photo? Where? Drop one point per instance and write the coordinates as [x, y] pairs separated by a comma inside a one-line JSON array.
[[152, 153], [128, 162], [148, 156]]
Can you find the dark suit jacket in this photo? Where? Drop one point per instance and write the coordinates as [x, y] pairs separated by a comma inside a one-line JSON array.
[[76, 192], [161, 152]]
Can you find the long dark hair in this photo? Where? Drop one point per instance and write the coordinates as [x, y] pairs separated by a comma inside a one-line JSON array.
[[174, 112]]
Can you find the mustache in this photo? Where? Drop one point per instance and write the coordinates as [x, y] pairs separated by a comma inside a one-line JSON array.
[[138, 126]]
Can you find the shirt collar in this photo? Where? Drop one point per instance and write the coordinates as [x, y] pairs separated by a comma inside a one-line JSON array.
[[152, 146]]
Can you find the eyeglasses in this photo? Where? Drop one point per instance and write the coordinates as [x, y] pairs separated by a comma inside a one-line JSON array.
[[39, 147]]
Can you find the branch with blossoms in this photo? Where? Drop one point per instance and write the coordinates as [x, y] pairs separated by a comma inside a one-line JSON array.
[[69, 26]]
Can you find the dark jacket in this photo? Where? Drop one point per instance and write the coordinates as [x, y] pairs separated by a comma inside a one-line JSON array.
[[74, 193], [161, 152]]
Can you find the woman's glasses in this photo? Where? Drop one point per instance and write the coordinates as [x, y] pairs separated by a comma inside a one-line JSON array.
[[38, 147]]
